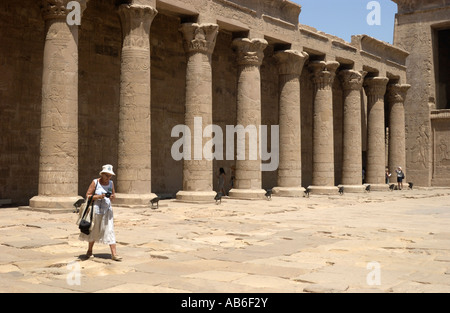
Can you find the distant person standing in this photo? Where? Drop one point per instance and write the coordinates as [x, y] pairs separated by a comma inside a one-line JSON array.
[[233, 176], [400, 177], [221, 178], [387, 175]]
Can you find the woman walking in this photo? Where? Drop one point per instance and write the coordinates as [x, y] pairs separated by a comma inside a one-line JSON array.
[[103, 230]]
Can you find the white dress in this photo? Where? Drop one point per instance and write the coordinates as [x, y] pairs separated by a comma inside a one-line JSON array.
[[103, 230]]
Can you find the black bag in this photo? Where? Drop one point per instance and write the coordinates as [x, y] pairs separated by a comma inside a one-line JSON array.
[[85, 225]]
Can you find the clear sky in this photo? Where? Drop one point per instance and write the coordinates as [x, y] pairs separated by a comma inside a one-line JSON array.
[[344, 18]]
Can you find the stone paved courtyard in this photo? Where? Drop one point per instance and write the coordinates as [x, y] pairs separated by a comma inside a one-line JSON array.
[[373, 242]]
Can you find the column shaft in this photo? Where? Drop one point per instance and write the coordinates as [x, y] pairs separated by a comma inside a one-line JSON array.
[[58, 162], [376, 159], [248, 170], [352, 82], [290, 66], [199, 42], [397, 140], [134, 154], [323, 143]]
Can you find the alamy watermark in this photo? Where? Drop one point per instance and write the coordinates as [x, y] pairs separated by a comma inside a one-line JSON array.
[[74, 16], [213, 148], [74, 276], [374, 276], [374, 16]]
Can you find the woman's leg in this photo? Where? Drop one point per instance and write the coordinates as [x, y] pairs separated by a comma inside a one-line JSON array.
[[90, 247], [114, 255], [113, 249]]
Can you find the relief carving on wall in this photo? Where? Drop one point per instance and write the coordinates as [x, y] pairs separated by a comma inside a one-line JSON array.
[[442, 151], [419, 151]]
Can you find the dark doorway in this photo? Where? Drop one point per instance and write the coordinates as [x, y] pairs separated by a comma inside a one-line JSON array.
[[443, 69]]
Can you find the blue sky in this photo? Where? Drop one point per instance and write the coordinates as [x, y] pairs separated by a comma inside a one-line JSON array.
[[344, 18]]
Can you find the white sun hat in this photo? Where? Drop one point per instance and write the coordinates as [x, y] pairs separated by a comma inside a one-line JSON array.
[[108, 168]]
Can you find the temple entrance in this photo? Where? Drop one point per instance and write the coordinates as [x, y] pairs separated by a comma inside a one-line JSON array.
[[442, 70]]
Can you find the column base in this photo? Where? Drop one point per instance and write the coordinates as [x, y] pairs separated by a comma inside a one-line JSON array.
[[133, 200], [295, 192], [323, 190], [247, 194], [50, 204], [196, 196], [377, 187], [353, 188]]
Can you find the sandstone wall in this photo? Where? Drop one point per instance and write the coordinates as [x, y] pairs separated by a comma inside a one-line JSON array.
[[415, 32], [21, 33]]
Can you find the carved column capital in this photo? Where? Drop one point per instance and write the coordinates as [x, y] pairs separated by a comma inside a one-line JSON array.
[[250, 51], [54, 9], [290, 62], [397, 93], [199, 37], [376, 86], [351, 79], [136, 21], [57, 9], [323, 73]]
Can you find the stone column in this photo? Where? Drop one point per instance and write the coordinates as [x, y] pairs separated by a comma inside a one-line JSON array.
[[323, 143], [199, 42], [352, 82], [134, 151], [290, 66], [376, 159], [58, 162], [250, 53], [397, 137]]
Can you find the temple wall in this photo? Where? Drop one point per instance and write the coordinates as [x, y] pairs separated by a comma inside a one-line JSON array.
[[22, 33], [415, 32], [100, 42]]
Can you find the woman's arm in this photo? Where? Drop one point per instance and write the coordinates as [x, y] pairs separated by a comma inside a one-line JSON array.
[[113, 194], [91, 191]]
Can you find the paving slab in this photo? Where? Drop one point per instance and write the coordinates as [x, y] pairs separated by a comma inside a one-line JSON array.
[[321, 244]]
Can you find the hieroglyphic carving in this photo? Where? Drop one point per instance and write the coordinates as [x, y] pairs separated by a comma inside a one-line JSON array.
[[376, 159], [323, 74], [250, 54], [134, 158], [352, 82], [396, 95], [199, 41], [443, 152], [419, 155], [441, 140], [290, 65]]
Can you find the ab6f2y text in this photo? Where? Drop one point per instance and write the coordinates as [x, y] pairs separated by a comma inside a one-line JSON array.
[[229, 303]]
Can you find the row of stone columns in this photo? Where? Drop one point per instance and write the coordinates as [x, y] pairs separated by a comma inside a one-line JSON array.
[[58, 172]]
